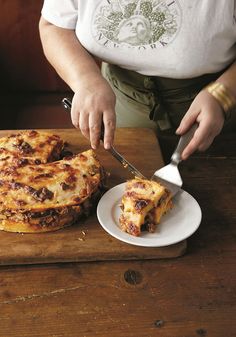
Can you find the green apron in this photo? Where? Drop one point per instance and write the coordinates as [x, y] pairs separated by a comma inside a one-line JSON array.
[[154, 102]]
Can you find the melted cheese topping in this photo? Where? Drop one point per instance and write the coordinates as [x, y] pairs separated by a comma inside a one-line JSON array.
[[29, 146], [37, 187]]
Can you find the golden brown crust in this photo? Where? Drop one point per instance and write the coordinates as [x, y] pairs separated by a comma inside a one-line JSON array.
[[143, 204], [62, 183], [29, 227], [47, 196], [29, 147]]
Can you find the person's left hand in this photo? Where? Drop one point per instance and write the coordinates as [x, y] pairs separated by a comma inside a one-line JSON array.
[[207, 112]]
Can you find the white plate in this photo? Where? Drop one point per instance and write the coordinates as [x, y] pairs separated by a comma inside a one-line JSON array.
[[178, 224]]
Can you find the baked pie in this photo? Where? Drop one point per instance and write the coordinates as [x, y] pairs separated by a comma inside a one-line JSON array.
[[38, 194]]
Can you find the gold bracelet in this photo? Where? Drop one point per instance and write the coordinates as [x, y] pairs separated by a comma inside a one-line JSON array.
[[223, 96]]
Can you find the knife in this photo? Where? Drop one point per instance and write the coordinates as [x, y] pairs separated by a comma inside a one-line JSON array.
[[125, 163]]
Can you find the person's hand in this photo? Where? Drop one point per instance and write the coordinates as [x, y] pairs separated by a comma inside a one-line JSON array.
[[207, 112], [93, 104]]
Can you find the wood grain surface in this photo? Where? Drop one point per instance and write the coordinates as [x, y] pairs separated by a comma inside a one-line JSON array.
[[190, 296], [87, 240]]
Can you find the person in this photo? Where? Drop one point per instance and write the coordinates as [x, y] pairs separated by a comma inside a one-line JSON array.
[[166, 64]]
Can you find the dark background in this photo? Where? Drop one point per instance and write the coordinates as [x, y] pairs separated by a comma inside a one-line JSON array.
[[30, 89]]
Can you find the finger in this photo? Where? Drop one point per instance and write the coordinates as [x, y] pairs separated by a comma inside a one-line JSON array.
[[84, 124], [190, 149], [95, 121], [200, 135], [207, 142], [187, 121], [208, 130], [75, 116], [204, 147], [109, 120]]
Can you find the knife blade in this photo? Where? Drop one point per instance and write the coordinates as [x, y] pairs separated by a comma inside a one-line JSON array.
[[125, 163]]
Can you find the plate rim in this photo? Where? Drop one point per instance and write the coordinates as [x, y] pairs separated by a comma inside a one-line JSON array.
[[139, 241]]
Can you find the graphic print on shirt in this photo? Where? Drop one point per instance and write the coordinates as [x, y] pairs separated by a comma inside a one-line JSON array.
[[136, 23]]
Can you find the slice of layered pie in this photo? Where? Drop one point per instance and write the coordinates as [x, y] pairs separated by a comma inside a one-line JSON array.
[[143, 205]]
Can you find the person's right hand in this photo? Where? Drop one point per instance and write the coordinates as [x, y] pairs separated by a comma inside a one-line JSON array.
[[93, 104]]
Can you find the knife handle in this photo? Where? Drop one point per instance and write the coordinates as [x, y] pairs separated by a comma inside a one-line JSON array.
[[67, 105]]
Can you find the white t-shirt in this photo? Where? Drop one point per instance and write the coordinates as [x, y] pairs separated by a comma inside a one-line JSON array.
[[169, 38]]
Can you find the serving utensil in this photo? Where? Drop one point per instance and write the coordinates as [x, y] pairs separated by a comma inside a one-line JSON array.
[[169, 175], [125, 163]]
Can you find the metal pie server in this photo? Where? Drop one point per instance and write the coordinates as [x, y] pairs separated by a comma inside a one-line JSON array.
[[67, 105], [169, 175]]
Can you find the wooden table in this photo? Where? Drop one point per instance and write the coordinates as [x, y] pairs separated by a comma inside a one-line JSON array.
[[190, 296]]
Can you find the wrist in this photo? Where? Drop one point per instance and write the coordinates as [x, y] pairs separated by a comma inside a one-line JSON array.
[[223, 96], [88, 79]]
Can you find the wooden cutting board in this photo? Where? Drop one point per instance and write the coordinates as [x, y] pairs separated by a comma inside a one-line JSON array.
[[87, 240]]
